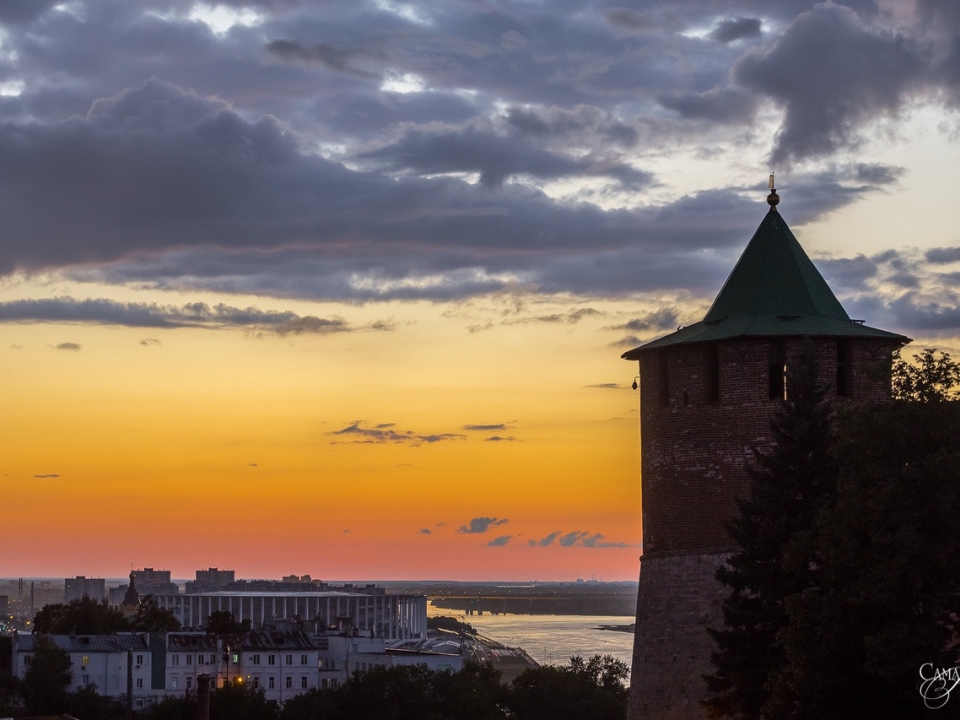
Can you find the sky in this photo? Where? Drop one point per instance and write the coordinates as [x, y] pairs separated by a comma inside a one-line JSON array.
[[341, 287]]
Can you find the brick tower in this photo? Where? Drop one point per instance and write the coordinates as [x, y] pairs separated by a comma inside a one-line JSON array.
[[708, 392]]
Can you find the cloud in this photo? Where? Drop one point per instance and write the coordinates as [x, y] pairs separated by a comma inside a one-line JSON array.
[[68, 346], [544, 541], [738, 28], [108, 312], [252, 465], [720, 105], [487, 428], [50, 475], [346, 531], [338, 59], [572, 538], [500, 541], [146, 342], [481, 524], [607, 386], [589, 540], [425, 531], [385, 434], [496, 158], [831, 73], [943, 255], [500, 438]]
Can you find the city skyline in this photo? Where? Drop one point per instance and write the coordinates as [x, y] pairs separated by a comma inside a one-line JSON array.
[[342, 289]]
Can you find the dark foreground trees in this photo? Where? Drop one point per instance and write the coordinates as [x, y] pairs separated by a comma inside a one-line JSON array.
[[584, 690], [843, 608]]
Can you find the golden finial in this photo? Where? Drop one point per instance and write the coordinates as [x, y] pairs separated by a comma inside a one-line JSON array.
[[772, 198]]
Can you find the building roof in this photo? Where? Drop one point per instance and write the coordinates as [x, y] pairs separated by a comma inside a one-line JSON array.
[[114, 642], [277, 640], [774, 290]]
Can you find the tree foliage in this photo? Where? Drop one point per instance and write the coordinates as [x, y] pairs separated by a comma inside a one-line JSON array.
[[152, 618], [890, 554], [83, 616], [789, 484], [44, 686], [848, 577], [932, 377], [591, 688], [222, 622]]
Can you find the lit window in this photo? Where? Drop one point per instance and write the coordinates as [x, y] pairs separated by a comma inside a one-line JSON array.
[[85, 662]]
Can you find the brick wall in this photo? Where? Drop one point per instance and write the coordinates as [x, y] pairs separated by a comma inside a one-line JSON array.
[[695, 450], [678, 599]]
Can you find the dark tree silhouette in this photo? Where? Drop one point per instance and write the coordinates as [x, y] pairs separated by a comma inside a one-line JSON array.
[[84, 616], [44, 686], [788, 486]]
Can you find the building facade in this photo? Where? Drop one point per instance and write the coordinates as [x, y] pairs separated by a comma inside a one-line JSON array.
[[372, 613], [80, 586], [708, 393]]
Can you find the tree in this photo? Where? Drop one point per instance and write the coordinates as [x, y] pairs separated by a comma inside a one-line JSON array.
[[890, 555], [241, 701], [928, 379], [789, 484], [583, 690], [83, 616], [152, 618], [44, 686], [222, 622]]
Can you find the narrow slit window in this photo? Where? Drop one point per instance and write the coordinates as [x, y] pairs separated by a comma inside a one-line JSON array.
[[777, 372], [713, 373], [843, 368], [664, 389]]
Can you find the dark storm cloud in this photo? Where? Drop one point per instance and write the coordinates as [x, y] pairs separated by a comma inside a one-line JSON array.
[[943, 255], [496, 158], [479, 525], [831, 73], [723, 105], [357, 434], [737, 28], [913, 311], [331, 57], [109, 312], [664, 318], [277, 160]]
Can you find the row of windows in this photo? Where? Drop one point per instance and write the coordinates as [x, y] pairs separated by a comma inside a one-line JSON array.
[[288, 682], [776, 373], [272, 660], [202, 659]]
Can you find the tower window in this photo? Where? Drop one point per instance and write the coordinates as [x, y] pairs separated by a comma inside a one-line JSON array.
[[777, 371], [664, 385], [713, 372], [843, 368]]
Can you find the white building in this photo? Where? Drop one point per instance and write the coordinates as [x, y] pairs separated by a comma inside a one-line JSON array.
[[392, 617], [97, 660]]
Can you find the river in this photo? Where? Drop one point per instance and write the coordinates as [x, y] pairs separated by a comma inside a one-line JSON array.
[[553, 639]]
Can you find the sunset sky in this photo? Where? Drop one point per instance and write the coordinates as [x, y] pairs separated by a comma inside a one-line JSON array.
[[341, 287]]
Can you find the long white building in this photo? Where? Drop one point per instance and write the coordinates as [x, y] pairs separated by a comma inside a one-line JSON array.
[[393, 617]]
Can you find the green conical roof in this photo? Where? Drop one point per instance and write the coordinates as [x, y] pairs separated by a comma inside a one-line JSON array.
[[774, 290]]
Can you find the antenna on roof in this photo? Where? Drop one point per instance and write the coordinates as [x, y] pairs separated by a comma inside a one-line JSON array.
[[772, 198]]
